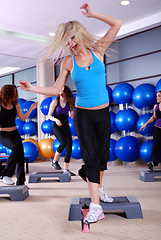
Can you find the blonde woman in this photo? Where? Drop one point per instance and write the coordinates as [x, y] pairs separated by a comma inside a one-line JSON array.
[[84, 60]]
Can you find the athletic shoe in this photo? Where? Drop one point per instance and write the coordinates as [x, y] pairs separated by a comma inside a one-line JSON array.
[[150, 166], [68, 171], [56, 165], [95, 214], [7, 180], [104, 197]]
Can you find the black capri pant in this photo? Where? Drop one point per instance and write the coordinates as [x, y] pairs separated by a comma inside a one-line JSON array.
[[63, 134], [155, 156], [12, 140], [93, 129]]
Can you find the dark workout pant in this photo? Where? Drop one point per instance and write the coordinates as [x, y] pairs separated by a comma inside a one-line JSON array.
[[63, 134], [156, 150], [12, 140], [93, 130]]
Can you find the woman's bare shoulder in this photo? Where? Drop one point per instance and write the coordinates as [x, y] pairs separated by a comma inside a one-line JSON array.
[[67, 63]]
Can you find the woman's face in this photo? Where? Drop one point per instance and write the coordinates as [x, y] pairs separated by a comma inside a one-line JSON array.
[[159, 97], [72, 41]]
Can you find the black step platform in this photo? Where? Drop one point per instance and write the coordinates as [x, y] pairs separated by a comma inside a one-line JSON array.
[[129, 205], [16, 193], [37, 176], [148, 176]]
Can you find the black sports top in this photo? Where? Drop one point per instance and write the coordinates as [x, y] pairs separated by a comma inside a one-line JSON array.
[[7, 117]]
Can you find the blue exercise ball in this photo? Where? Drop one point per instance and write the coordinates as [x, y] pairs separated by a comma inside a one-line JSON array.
[[158, 86], [126, 119], [8, 151], [56, 144], [76, 151], [144, 96], [127, 149], [74, 94], [19, 125], [46, 127], [45, 105], [26, 106], [54, 97], [71, 125], [113, 125], [112, 150], [30, 128], [122, 93], [31, 151], [148, 131], [145, 150], [2, 148], [109, 94], [21, 101]]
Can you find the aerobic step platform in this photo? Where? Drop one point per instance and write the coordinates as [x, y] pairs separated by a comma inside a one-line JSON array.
[[129, 205], [16, 193], [37, 176], [147, 176]]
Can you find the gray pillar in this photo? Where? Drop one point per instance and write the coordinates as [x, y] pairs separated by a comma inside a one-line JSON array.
[[45, 78]]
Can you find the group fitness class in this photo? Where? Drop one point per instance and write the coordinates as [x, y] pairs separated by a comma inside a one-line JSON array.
[[80, 120]]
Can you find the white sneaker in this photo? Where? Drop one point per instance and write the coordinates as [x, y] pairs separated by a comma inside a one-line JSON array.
[[7, 180], [104, 197], [95, 214]]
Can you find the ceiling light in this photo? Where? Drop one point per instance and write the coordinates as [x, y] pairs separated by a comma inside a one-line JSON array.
[[51, 34], [125, 2], [6, 70]]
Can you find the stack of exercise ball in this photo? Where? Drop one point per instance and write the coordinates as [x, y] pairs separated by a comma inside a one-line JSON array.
[[46, 144], [127, 147], [28, 128]]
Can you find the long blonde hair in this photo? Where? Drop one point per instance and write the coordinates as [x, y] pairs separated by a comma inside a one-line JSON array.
[[58, 48]]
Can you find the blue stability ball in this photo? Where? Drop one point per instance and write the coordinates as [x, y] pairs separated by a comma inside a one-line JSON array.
[[46, 127], [112, 150], [109, 93], [76, 151], [8, 151], [71, 125], [21, 101], [26, 106], [122, 93], [144, 96], [19, 125], [127, 149], [145, 150], [30, 150], [56, 144], [158, 86], [113, 126], [2, 148], [45, 104], [30, 128], [126, 119], [141, 121]]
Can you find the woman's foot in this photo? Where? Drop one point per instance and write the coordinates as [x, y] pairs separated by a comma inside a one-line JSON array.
[[56, 165], [95, 214], [104, 197], [7, 180]]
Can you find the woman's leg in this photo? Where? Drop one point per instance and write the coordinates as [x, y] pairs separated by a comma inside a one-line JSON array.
[[12, 140], [156, 146], [67, 133]]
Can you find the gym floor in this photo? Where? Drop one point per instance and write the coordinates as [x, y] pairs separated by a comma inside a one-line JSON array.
[[44, 214]]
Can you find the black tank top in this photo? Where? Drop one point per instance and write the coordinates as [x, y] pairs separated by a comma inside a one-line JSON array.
[[7, 117]]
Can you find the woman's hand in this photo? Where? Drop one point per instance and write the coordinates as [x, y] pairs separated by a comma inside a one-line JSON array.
[[58, 122], [34, 105], [24, 85], [143, 127], [88, 12]]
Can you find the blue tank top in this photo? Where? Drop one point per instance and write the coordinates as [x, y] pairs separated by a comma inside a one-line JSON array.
[[7, 117], [90, 84], [158, 116]]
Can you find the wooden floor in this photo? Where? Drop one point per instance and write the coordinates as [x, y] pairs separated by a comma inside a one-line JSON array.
[[44, 214]]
